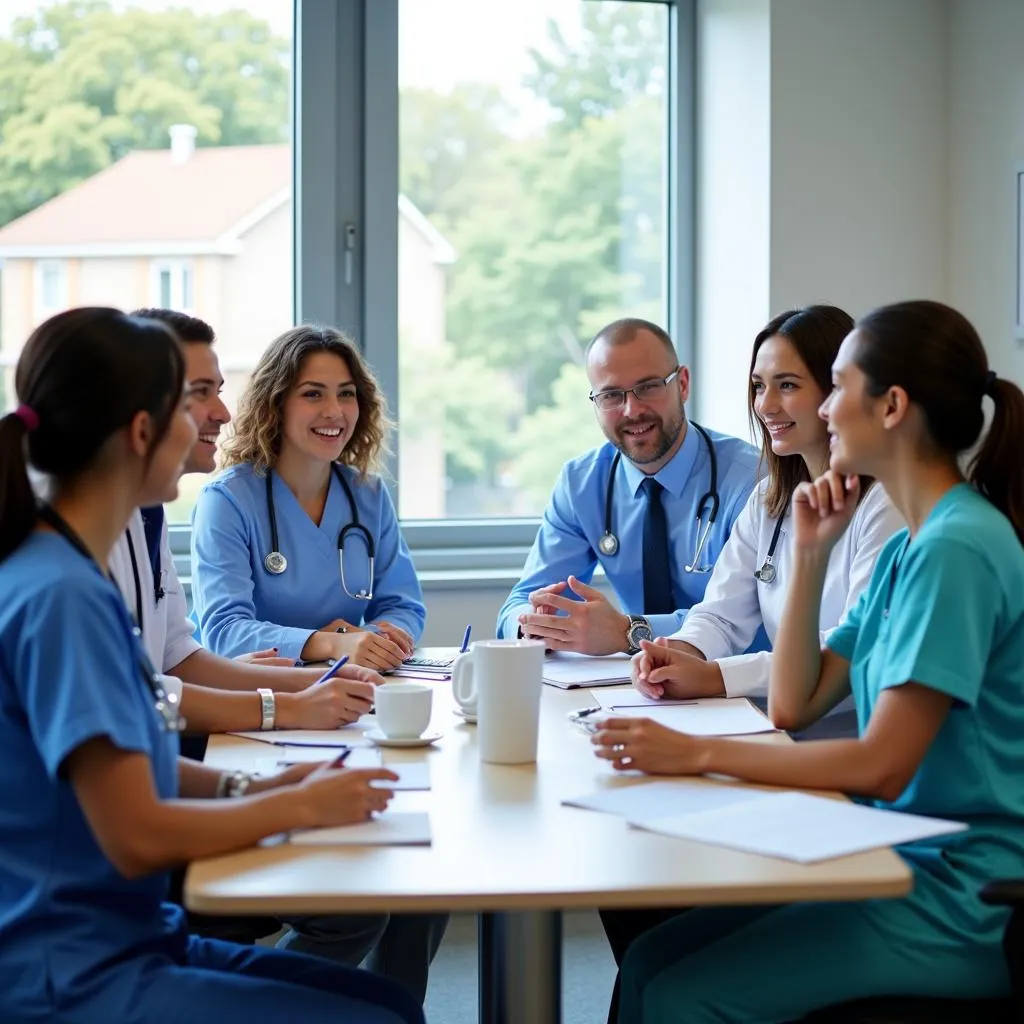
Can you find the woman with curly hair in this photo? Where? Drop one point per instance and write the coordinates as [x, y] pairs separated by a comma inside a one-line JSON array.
[[278, 557], [276, 562]]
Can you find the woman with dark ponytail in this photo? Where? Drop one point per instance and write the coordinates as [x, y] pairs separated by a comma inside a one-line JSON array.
[[933, 653], [91, 817]]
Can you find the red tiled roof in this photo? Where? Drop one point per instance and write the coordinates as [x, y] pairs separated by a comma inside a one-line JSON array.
[[145, 197]]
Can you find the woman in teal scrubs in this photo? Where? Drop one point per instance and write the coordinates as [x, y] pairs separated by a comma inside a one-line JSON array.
[[97, 806], [933, 653]]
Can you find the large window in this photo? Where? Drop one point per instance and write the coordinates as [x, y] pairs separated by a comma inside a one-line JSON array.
[[533, 164], [145, 160], [479, 186]]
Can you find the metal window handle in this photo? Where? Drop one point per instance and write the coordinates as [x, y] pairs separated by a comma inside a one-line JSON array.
[[350, 249]]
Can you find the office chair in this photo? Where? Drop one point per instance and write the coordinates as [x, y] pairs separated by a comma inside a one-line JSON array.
[[914, 1010]]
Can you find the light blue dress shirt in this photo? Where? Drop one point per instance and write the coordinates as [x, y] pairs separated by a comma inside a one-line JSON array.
[[75, 935], [566, 544], [241, 607]]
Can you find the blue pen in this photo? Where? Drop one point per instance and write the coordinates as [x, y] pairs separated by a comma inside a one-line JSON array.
[[332, 670], [465, 639]]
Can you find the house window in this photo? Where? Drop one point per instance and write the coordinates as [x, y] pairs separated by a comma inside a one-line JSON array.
[[173, 286], [51, 288]]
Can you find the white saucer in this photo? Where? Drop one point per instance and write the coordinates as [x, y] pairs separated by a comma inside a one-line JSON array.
[[416, 741], [466, 716]]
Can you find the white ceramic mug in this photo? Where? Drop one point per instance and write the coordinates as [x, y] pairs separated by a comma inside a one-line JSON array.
[[403, 709], [499, 681]]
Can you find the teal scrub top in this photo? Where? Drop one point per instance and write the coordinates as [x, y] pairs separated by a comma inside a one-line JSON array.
[[70, 671], [945, 609]]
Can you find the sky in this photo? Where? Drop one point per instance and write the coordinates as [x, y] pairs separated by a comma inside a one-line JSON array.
[[442, 42]]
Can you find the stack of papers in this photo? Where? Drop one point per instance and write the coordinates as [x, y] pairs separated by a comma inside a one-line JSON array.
[[570, 671], [708, 716], [392, 828], [793, 826]]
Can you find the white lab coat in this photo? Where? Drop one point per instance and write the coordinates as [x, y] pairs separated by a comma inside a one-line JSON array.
[[736, 604], [167, 630]]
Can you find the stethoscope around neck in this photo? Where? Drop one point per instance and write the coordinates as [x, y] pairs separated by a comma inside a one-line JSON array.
[[768, 573], [275, 563], [608, 544]]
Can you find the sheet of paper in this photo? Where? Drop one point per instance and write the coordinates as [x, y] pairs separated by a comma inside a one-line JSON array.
[[799, 827], [667, 798], [393, 828], [350, 736], [567, 670], [710, 716]]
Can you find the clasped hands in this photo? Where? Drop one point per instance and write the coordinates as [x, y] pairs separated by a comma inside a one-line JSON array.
[[572, 616]]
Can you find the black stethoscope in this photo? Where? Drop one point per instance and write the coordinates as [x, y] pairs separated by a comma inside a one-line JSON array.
[[608, 544], [767, 573], [158, 591], [275, 563], [166, 704]]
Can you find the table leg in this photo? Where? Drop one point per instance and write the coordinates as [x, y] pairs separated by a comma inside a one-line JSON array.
[[520, 954]]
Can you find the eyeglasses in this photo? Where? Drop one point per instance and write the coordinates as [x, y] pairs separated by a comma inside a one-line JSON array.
[[646, 391]]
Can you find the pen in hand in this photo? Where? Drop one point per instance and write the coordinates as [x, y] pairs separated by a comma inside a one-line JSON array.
[[332, 670]]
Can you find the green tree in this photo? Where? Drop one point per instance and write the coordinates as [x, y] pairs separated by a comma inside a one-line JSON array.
[[554, 433], [471, 402], [455, 150], [81, 85], [619, 55]]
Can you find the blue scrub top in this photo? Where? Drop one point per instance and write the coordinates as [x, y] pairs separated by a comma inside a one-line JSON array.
[[70, 672], [956, 625], [241, 607], [566, 544]]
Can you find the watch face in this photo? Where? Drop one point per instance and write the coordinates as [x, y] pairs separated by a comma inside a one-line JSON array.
[[640, 631]]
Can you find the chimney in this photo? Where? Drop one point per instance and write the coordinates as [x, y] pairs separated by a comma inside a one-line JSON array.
[[183, 143]]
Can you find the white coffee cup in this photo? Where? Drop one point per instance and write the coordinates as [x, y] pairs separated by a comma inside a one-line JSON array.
[[403, 709], [499, 681]]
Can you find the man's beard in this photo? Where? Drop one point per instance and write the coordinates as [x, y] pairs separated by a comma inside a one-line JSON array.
[[666, 433]]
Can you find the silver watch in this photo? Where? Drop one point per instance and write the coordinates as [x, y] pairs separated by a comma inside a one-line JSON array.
[[232, 785], [639, 629], [268, 708]]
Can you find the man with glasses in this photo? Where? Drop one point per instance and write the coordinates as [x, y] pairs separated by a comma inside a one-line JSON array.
[[653, 507]]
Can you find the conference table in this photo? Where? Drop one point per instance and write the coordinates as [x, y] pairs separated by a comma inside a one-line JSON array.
[[503, 846]]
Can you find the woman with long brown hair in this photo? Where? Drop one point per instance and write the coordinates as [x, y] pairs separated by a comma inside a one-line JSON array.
[[790, 376]]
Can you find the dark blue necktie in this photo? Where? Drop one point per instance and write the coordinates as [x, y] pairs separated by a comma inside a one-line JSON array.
[[153, 525], [658, 599]]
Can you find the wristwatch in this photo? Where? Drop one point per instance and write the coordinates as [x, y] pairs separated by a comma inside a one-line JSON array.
[[639, 629], [268, 708]]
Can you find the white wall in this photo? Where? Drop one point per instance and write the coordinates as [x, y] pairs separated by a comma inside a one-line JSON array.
[[858, 166], [986, 145], [823, 130], [733, 202]]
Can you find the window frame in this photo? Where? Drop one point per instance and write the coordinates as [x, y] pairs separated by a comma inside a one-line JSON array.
[[179, 271], [346, 123], [42, 310], [346, 184]]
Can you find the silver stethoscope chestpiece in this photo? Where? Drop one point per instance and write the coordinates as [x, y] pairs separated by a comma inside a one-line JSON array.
[[766, 574], [275, 563], [608, 544]]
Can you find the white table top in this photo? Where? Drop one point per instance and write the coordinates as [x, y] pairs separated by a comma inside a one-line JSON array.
[[502, 841]]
